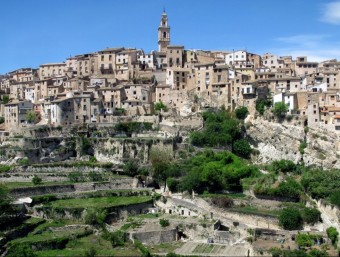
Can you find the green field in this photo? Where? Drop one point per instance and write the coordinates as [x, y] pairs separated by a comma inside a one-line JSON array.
[[100, 202]]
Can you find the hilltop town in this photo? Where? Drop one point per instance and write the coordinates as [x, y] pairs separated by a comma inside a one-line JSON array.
[[96, 87], [174, 152]]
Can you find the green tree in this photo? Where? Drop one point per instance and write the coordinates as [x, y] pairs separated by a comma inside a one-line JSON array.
[[261, 105], [31, 116], [335, 198], [290, 219], [2, 119], [241, 112], [242, 148], [332, 234], [304, 240], [164, 223], [21, 250], [130, 168], [160, 106], [5, 201], [5, 99], [280, 109], [317, 253], [160, 159], [311, 215], [36, 180]]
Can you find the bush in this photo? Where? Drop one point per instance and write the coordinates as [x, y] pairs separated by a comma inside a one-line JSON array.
[[311, 215], [261, 105], [332, 234], [4, 168], [222, 201], [335, 198], [2, 119], [164, 223], [76, 176], [242, 148], [160, 106], [36, 180], [304, 240], [241, 112], [96, 218], [302, 147], [130, 168], [280, 109], [172, 184], [95, 176], [21, 250], [117, 238], [290, 219]]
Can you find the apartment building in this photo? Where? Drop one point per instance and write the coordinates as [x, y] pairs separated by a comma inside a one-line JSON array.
[[14, 113], [50, 70]]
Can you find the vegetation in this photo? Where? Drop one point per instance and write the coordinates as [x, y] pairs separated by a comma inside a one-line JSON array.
[[100, 202], [36, 180], [290, 219], [2, 119], [160, 106], [280, 109], [5, 99], [261, 105], [130, 127], [333, 235], [95, 217], [4, 168], [241, 112], [213, 172], [222, 201], [220, 129], [31, 116], [164, 223], [242, 148]]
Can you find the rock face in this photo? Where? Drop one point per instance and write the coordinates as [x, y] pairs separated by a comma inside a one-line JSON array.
[[276, 141]]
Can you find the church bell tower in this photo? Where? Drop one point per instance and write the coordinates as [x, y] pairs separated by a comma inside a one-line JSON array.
[[163, 33]]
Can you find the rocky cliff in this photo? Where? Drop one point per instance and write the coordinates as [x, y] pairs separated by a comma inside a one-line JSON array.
[[276, 141]]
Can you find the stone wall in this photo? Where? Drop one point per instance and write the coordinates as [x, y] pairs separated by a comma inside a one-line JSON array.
[[155, 237]]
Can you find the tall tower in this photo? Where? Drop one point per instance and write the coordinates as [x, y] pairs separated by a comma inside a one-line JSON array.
[[163, 33]]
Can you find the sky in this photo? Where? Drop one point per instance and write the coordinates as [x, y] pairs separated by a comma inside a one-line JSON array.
[[43, 31]]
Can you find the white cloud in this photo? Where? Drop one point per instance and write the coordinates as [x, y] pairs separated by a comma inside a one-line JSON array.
[[331, 13], [316, 47]]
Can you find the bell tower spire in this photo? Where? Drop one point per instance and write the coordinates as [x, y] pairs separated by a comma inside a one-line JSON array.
[[163, 33]]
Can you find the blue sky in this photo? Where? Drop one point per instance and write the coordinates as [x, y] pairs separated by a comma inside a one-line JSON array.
[[42, 31]]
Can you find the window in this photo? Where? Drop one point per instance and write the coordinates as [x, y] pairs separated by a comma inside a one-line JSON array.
[[102, 57], [164, 34]]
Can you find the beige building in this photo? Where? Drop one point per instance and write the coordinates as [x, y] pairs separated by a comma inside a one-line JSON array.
[[14, 114], [52, 70], [174, 55]]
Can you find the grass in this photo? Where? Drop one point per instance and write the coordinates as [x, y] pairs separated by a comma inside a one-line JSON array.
[[80, 246], [231, 195], [14, 185], [47, 235], [165, 247], [100, 202], [53, 224], [203, 248], [255, 211]]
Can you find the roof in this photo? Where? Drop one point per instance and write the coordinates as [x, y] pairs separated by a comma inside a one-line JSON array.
[[116, 49], [175, 46], [53, 64]]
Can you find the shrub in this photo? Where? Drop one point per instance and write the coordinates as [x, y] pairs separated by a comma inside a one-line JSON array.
[[130, 168], [172, 184], [117, 238], [4, 168], [76, 176], [332, 234], [261, 105], [304, 240], [280, 109], [302, 147], [335, 198], [241, 112], [290, 219], [96, 218], [36, 180], [242, 148], [222, 201], [95, 176], [311, 215], [164, 223], [160, 106], [2, 119]]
